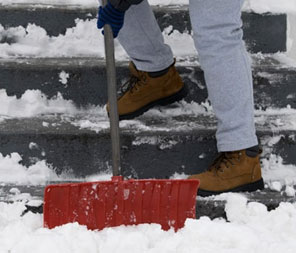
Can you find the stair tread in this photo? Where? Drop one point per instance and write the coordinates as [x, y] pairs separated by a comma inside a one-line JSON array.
[[37, 191], [166, 120], [268, 61]]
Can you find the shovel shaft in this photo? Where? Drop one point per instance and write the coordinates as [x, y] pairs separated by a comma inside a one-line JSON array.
[[119, 202], [112, 97]]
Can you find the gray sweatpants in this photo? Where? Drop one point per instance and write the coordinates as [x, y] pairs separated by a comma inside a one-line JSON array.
[[218, 38]]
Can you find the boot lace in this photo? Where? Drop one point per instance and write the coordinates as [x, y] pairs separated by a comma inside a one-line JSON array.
[[133, 84], [225, 160]]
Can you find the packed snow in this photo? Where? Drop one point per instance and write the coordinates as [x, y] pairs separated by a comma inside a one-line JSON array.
[[250, 228]]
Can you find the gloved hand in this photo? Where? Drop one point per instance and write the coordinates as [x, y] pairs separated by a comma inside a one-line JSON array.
[[113, 17]]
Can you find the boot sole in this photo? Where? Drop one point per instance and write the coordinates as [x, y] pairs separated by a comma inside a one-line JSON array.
[[164, 101], [258, 185]]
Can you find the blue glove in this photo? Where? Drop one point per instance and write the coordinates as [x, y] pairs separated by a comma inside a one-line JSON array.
[[113, 17]]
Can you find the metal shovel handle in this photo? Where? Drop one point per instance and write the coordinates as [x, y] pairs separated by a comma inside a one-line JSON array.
[[112, 97]]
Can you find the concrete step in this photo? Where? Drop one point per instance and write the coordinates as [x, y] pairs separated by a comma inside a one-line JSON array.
[[167, 143], [211, 207], [263, 33], [274, 84]]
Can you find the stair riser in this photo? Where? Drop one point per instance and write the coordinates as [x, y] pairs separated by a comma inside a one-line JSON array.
[[161, 156], [87, 83], [262, 33]]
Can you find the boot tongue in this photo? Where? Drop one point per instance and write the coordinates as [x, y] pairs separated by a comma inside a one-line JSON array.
[[133, 69], [232, 154], [226, 159]]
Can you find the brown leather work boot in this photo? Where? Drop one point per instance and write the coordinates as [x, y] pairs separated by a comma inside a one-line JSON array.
[[232, 172], [143, 91]]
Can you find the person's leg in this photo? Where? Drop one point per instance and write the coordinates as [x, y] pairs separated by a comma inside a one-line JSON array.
[[154, 78], [143, 41], [223, 57]]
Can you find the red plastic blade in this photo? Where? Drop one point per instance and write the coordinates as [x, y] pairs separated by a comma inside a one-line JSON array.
[[121, 202]]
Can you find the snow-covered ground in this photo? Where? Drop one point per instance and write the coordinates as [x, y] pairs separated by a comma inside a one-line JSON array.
[[251, 228]]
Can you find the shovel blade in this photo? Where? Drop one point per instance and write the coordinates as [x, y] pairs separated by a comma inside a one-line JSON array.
[[121, 202]]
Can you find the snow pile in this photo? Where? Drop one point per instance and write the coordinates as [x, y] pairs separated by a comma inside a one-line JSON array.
[[40, 173], [85, 40], [251, 228], [82, 40], [287, 60], [276, 6], [290, 191], [176, 40], [274, 170], [33, 103], [11, 171]]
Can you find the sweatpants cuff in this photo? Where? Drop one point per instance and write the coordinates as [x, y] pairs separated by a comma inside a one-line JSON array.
[[148, 67], [234, 146]]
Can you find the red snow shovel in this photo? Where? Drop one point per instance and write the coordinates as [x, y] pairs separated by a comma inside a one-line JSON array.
[[119, 202]]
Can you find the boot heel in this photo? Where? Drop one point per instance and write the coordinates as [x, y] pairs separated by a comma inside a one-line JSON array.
[[174, 98], [258, 185]]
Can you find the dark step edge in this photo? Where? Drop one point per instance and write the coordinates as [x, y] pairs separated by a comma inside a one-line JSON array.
[[85, 8], [216, 208], [264, 62]]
